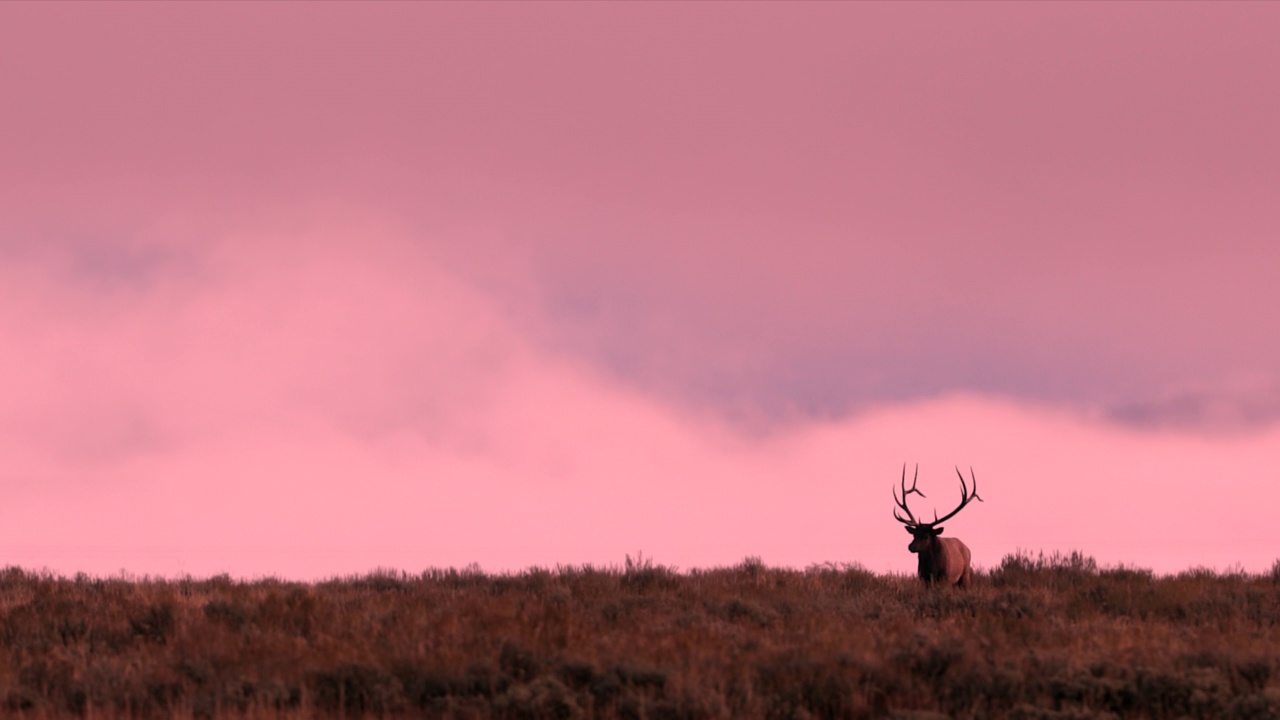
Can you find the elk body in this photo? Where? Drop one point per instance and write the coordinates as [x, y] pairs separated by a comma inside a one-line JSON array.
[[941, 560]]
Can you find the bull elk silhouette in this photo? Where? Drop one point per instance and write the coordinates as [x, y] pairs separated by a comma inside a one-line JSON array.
[[942, 560]]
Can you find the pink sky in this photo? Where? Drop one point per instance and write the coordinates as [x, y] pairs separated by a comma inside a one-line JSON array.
[[306, 289]]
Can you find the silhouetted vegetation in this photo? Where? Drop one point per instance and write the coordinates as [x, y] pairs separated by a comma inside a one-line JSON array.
[[1054, 637]]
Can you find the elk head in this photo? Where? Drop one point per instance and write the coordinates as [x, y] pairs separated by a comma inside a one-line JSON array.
[[940, 560]]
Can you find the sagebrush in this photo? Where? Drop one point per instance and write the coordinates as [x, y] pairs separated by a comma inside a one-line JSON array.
[[1053, 637]]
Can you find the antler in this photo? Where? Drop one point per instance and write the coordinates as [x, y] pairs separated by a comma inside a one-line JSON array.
[[966, 496], [905, 492]]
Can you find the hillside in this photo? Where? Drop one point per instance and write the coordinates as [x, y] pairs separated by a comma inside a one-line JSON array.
[[1035, 638]]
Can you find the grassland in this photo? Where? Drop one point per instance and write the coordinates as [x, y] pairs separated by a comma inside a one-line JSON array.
[[1035, 638]]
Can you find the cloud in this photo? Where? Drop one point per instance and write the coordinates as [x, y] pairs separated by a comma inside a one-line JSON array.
[[872, 207], [332, 398], [1231, 408], [116, 349]]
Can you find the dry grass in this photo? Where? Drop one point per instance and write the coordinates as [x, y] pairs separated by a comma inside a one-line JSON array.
[[1035, 638]]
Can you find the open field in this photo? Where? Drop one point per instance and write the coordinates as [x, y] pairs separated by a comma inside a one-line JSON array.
[[1035, 638]]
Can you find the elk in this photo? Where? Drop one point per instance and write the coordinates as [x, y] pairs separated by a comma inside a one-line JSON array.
[[942, 560]]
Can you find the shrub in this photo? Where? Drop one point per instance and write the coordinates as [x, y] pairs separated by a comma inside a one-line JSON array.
[[1046, 637]]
